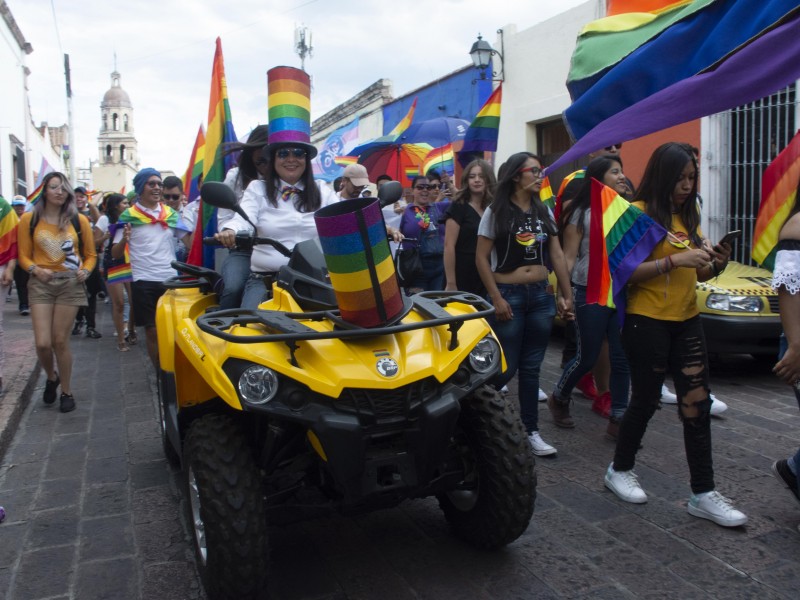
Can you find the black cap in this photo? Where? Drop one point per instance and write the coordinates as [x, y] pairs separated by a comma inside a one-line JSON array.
[[80, 190]]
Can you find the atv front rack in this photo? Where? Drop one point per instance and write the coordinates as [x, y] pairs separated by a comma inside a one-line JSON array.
[[287, 327]]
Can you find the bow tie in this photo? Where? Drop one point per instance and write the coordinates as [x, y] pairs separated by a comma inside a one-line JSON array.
[[289, 191]]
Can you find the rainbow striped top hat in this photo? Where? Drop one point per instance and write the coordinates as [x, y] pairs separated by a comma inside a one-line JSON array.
[[289, 103]]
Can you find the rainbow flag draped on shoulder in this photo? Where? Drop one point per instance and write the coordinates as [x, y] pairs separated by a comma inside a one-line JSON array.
[[215, 162], [621, 237], [778, 191], [135, 217], [634, 73]]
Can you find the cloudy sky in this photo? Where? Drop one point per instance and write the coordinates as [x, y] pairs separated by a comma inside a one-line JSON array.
[[164, 50]]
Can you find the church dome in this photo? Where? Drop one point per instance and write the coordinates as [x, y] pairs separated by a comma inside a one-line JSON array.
[[116, 96]]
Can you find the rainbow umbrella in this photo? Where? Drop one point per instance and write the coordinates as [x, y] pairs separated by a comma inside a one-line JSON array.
[[395, 160]]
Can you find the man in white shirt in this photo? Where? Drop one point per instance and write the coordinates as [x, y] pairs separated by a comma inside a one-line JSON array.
[[354, 179], [150, 230]]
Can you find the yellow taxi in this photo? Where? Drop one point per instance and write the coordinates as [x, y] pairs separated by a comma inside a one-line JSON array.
[[739, 311]]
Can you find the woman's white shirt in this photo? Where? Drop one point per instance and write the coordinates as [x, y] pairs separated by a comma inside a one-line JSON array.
[[282, 222]]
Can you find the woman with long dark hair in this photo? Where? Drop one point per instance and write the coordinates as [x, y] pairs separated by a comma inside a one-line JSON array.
[[593, 323], [461, 228], [663, 334], [252, 165], [59, 260], [517, 243]]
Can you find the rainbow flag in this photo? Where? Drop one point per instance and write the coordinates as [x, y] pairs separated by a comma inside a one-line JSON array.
[[215, 164], [403, 124], [621, 237], [778, 193], [120, 273], [439, 159], [411, 172], [482, 133], [617, 7], [345, 160], [34, 196], [712, 55], [546, 194], [8, 227], [194, 173]]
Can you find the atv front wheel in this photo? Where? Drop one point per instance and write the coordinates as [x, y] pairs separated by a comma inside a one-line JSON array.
[[225, 509], [494, 503]]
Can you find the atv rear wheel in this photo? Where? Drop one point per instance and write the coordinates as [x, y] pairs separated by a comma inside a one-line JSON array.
[[494, 504], [225, 509]]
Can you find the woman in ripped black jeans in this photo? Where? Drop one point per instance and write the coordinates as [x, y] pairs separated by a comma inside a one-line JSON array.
[[663, 334]]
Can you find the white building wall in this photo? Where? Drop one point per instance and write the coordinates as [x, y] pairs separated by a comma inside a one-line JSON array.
[[13, 105], [536, 65]]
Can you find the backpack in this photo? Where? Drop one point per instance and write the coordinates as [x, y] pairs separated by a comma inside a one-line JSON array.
[[76, 225]]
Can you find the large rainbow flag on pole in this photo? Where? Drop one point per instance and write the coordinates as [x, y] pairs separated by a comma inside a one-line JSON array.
[[8, 227], [194, 173], [482, 133], [389, 138], [636, 73], [215, 163], [778, 192], [621, 237]]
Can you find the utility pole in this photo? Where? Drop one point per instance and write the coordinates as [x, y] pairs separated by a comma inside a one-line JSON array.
[[302, 45], [70, 155]]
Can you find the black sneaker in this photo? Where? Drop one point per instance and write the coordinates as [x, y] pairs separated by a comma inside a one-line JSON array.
[[77, 329], [24, 310], [67, 403], [93, 333], [785, 475], [50, 388]]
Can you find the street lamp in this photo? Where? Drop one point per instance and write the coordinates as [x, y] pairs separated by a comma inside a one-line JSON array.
[[482, 53]]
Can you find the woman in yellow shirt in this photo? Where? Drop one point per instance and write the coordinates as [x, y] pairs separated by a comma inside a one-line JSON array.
[[662, 334], [59, 260]]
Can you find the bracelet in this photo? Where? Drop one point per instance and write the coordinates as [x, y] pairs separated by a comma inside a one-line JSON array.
[[671, 264], [31, 269], [658, 267]]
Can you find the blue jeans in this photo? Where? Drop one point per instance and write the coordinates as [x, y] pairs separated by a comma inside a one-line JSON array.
[[235, 271], [524, 340], [432, 277], [794, 461], [593, 324], [255, 291]]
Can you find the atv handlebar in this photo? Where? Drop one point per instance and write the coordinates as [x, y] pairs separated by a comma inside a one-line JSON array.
[[246, 241]]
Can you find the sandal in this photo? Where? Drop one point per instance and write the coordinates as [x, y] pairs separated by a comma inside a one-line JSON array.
[[122, 347], [132, 338]]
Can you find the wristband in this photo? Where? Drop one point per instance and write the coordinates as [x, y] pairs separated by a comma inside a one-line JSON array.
[[31, 269]]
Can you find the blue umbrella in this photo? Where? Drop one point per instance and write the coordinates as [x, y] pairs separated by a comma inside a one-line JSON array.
[[436, 132]]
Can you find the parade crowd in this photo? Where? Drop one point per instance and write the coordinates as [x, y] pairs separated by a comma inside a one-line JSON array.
[[490, 235]]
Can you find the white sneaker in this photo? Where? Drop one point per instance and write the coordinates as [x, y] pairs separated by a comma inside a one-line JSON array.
[[504, 390], [539, 446], [667, 397], [717, 406], [542, 395], [716, 507], [625, 485]]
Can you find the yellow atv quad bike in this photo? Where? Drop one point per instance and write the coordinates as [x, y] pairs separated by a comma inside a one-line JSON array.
[[278, 413]]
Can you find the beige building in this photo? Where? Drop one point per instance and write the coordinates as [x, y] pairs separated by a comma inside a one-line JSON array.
[[118, 153]]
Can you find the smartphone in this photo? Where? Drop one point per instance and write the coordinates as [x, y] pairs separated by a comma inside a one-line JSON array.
[[731, 237]]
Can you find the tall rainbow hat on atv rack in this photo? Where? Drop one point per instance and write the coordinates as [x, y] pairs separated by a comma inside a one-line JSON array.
[[353, 238]]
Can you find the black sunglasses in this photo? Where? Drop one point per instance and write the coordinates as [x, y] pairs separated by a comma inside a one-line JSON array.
[[171, 196], [296, 152], [425, 186]]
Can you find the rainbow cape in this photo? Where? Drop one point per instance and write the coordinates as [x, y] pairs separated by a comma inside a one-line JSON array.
[[8, 227], [439, 159], [215, 163], [194, 173], [778, 193], [135, 217], [621, 237], [633, 74], [482, 133]]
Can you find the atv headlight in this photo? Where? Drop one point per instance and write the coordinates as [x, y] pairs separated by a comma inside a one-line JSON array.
[[258, 384], [485, 355], [734, 303]]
